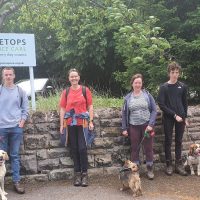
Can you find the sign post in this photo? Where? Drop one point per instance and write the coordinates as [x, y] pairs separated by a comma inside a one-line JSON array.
[[18, 50]]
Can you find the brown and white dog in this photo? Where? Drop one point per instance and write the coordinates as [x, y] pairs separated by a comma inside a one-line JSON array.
[[129, 178], [193, 158], [3, 158]]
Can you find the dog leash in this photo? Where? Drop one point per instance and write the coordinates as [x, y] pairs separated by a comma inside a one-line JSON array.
[[189, 135], [147, 134]]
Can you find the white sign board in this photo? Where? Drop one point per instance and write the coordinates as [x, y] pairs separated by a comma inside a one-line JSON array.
[[17, 50]]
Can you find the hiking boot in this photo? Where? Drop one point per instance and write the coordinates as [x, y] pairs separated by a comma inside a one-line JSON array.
[[77, 179], [19, 188], [84, 179], [169, 168], [179, 168], [150, 173]]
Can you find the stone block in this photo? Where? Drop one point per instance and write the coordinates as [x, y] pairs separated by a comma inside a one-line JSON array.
[[42, 128], [48, 164], [54, 126], [66, 162], [91, 161], [55, 135], [109, 113], [103, 160], [58, 152], [96, 152], [29, 129], [53, 116], [103, 171], [37, 178], [29, 164], [61, 174], [54, 143], [42, 154], [110, 131], [116, 122], [103, 142], [38, 117], [36, 141]]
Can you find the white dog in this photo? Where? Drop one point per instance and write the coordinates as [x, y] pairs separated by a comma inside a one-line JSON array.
[[193, 158], [3, 158]]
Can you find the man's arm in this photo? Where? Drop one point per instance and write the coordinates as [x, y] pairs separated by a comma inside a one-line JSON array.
[[24, 109]]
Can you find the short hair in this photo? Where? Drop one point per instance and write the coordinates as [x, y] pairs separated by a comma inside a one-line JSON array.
[[8, 68], [173, 66], [136, 76], [73, 70]]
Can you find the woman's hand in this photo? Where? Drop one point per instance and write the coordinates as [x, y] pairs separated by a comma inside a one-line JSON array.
[[149, 128], [91, 126], [61, 129], [125, 133]]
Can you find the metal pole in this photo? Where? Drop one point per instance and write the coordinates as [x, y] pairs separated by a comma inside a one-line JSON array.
[[32, 88]]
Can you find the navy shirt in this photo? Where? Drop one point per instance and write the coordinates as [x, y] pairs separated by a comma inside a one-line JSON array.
[[172, 99]]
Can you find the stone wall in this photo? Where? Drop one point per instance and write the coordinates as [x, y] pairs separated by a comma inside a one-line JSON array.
[[42, 157]]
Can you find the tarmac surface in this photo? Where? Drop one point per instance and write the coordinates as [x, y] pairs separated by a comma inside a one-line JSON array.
[[107, 187]]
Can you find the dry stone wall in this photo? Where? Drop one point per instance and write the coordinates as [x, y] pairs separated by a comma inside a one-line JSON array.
[[43, 158]]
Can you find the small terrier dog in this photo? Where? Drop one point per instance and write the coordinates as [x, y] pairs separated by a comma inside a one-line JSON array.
[[193, 158], [129, 178], [3, 158]]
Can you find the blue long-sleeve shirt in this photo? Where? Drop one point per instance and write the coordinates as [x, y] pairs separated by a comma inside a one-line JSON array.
[[13, 106]]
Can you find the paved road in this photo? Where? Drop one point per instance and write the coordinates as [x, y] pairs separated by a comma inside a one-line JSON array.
[[107, 188]]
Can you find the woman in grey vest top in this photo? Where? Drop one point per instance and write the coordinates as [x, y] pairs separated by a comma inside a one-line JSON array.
[[138, 119]]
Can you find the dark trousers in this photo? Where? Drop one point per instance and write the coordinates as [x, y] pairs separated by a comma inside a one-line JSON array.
[[78, 148], [136, 133], [169, 124]]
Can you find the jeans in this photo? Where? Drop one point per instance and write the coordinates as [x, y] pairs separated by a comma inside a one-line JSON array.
[[78, 148], [10, 139], [136, 134], [169, 123]]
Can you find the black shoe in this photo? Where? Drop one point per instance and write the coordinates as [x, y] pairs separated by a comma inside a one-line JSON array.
[[84, 179], [77, 179], [19, 188], [179, 168]]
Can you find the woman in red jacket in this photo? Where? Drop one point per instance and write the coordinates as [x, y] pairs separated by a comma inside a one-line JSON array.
[[77, 109]]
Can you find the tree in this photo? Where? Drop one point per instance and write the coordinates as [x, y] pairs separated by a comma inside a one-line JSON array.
[[106, 40], [7, 8]]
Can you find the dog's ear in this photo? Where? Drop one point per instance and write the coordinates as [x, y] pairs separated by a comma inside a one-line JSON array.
[[6, 156], [191, 150]]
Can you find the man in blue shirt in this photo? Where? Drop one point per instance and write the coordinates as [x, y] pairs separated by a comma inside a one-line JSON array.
[[14, 112]]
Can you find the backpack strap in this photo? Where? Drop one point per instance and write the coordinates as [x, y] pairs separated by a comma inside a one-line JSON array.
[[0, 88], [67, 92], [20, 94], [83, 92]]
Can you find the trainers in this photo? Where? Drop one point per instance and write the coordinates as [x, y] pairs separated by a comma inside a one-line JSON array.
[[84, 179], [77, 179], [150, 173], [179, 168], [19, 188]]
